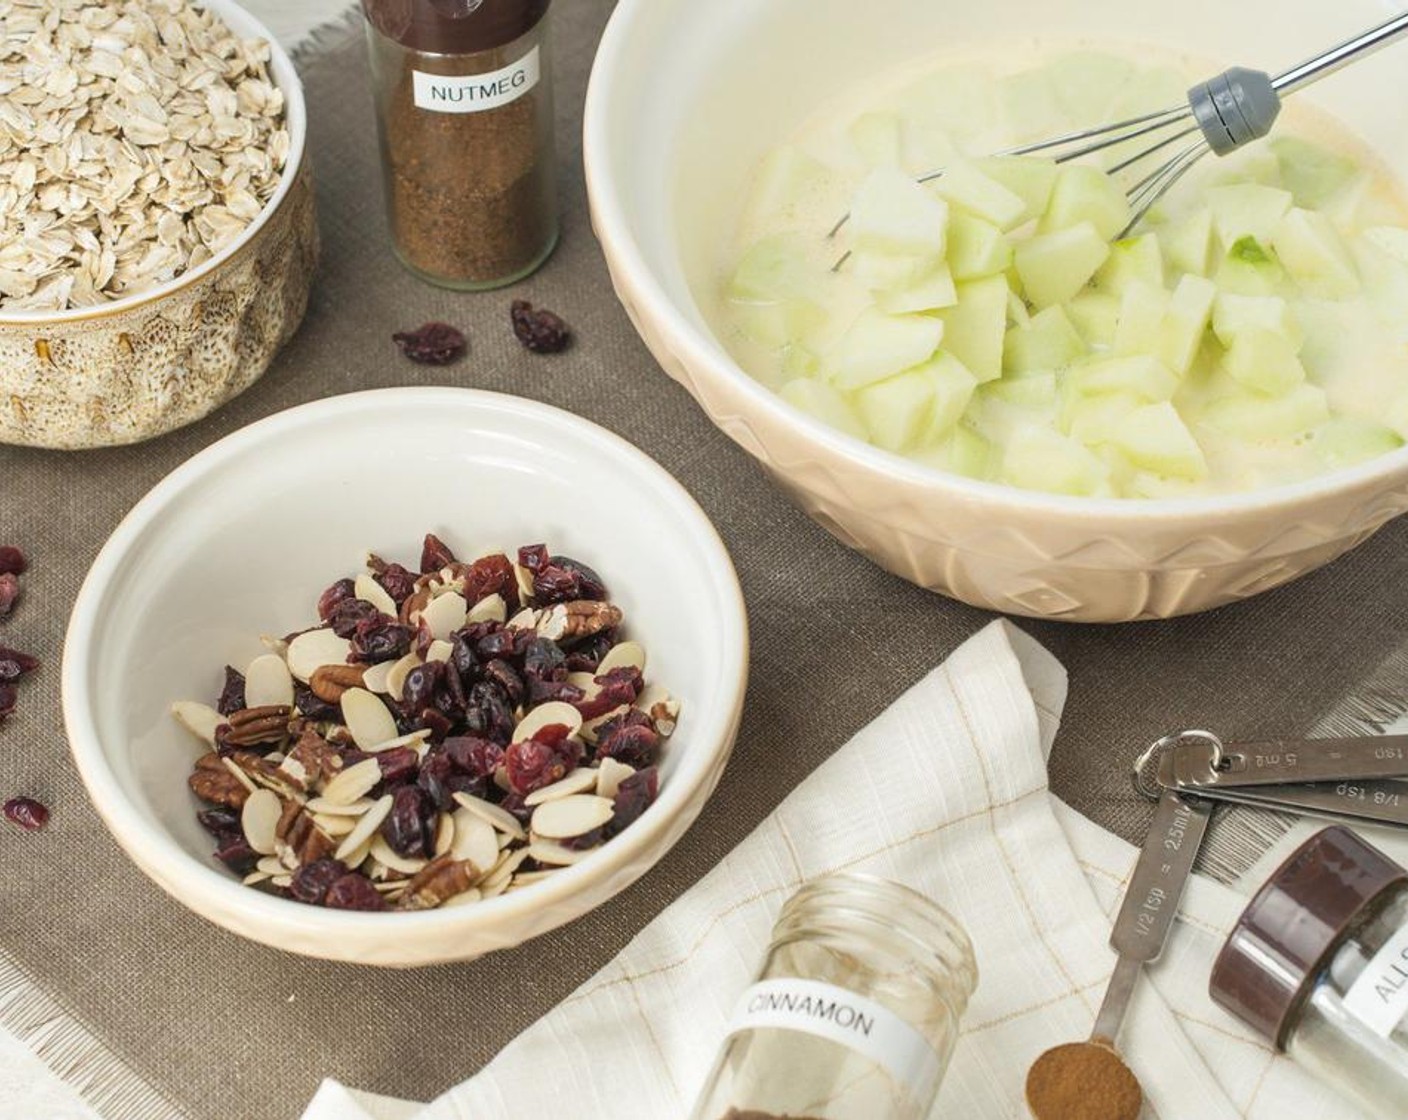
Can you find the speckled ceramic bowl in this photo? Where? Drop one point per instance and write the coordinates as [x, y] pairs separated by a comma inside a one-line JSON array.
[[686, 98], [150, 363]]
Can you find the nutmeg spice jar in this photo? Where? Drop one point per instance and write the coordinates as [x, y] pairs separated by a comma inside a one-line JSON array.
[[465, 117]]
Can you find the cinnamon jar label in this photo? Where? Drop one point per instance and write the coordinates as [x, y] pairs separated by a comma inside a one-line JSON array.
[[843, 1017], [1379, 995], [477, 93]]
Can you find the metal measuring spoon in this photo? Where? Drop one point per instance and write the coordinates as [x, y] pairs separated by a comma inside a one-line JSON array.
[[1089, 1080]]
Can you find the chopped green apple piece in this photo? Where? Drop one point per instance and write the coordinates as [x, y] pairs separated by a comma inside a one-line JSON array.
[[1312, 252], [1385, 285], [1029, 390], [976, 248], [877, 346], [962, 452], [1141, 376], [1392, 240], [891, 213], [1149, 91], [777, 267], [1247, 210], [820, 400], [966, 188], [883, 272], [876, 138], [1037, 458], [1256, 416], [1018, 313], [1188, 243], [1185, 324], [780, 324], [1048, 342], [1087, 83], [1343, 441], [1055, 266], [1095, 420], [1086, 194], [1265, 361], [1250, 268], [1232, 314], [1132, 259], [974, 329], [1314, 175], [1142, 311], [952, 384], [1029, 178], [799, 361], [1155, 438], [895, 411], [1030, 105], [931, 293], [1096, 315], [785, 176]]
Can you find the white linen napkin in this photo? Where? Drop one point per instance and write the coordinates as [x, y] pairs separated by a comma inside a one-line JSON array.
[[944, 792]]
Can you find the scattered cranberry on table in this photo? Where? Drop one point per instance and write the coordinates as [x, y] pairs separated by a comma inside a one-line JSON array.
[[27, 813]]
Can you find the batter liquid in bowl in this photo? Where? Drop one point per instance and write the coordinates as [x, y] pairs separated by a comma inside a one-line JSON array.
[[1252, 331]]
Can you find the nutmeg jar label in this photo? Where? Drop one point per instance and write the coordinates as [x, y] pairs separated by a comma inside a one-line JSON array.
[[843, 1017], [477, 93], [1379, 996]]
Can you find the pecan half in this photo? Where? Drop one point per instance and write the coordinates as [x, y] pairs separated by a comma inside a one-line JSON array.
[[578, 619], [251, 727], [312, 760], [298, 839], [414, 604], [329, 682], [264, 773], [439, 880], [214, 784]]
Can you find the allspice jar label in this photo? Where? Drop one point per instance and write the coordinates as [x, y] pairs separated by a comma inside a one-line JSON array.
[[477, 93]]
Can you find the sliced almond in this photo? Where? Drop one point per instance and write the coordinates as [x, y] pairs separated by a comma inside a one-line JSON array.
[[526, 619], [366, 588], [464, 898], [367, 718], [571, 816], [609, 776], [528, 878], [259, 818], [267, 682], [579, 781], [589, 729], [383, 853], [359, 857], [276, 646], [498, 888], [586, 682], [491, 608], [548, 715], [367, 824], [444, 833], [374, 677], [475, 840], [622, 655], [500, 818], [524, 578], [439, 651], [281, 881], [337, 809], [270, 866], [396, 676], [413, 739], [200, 720], [444, 614], [309, 652], [549, 851], [245, 779], [336, 827], [502, 872], [254, 878], [353, 783]]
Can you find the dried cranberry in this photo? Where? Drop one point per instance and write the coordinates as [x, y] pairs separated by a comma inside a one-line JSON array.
[[9, 697], [232, 693], [312, 881], [562, 580], [339, 593], [515, 806], [533, 556], [586, 655], [431, 344], [502, 674], [452, 688], [219, 820], [634, 796], [234, 852], [27, 813], [634, 744], [538, 328], [436, 722], [434, 780], [395, 580], [479, 757], [617, 687], [9, 592], [488, 715], [419, 688], [404, 828], [507, 645], [12, 561], [351, 613], [543, 660], [543, 692], [380, 639], [310, 705], [398, 765], [586, 840], [463, 659], [354, 891], [546, 758], [14, 665], [491, 575], [434, 554]]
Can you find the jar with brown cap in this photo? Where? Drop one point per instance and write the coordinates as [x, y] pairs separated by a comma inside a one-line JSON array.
[[1318, 963], [465, 115]]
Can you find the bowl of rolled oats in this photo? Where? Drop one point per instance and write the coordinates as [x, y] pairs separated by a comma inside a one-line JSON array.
[[406, 676], [157, 230]]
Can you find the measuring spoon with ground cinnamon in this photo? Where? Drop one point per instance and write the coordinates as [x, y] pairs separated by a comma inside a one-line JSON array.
[[1089, 1080]]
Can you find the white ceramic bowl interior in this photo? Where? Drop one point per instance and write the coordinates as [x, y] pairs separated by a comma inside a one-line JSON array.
[[241, 540], [686, 98]]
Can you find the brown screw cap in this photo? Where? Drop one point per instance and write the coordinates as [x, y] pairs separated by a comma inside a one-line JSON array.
[[454, 26], [1288, 931]]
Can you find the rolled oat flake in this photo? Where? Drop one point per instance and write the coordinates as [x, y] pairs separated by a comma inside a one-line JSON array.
[[464, 112], [1318, 963]]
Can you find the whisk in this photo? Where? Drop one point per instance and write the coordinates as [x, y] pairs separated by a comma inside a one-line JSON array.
[[1224, 113]]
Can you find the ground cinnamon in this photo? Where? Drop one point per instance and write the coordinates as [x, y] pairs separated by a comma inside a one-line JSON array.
[[1082, 1081]]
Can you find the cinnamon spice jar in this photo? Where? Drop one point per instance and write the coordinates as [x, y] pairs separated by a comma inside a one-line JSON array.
[[465, 116]]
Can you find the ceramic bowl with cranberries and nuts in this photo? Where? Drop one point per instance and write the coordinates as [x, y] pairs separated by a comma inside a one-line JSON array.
[[440, 736]]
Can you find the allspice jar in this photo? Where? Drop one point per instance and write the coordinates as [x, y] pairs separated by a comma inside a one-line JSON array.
[[465, 116]]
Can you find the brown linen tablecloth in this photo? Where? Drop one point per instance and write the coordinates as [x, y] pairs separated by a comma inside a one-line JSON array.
[[224, 1028]]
